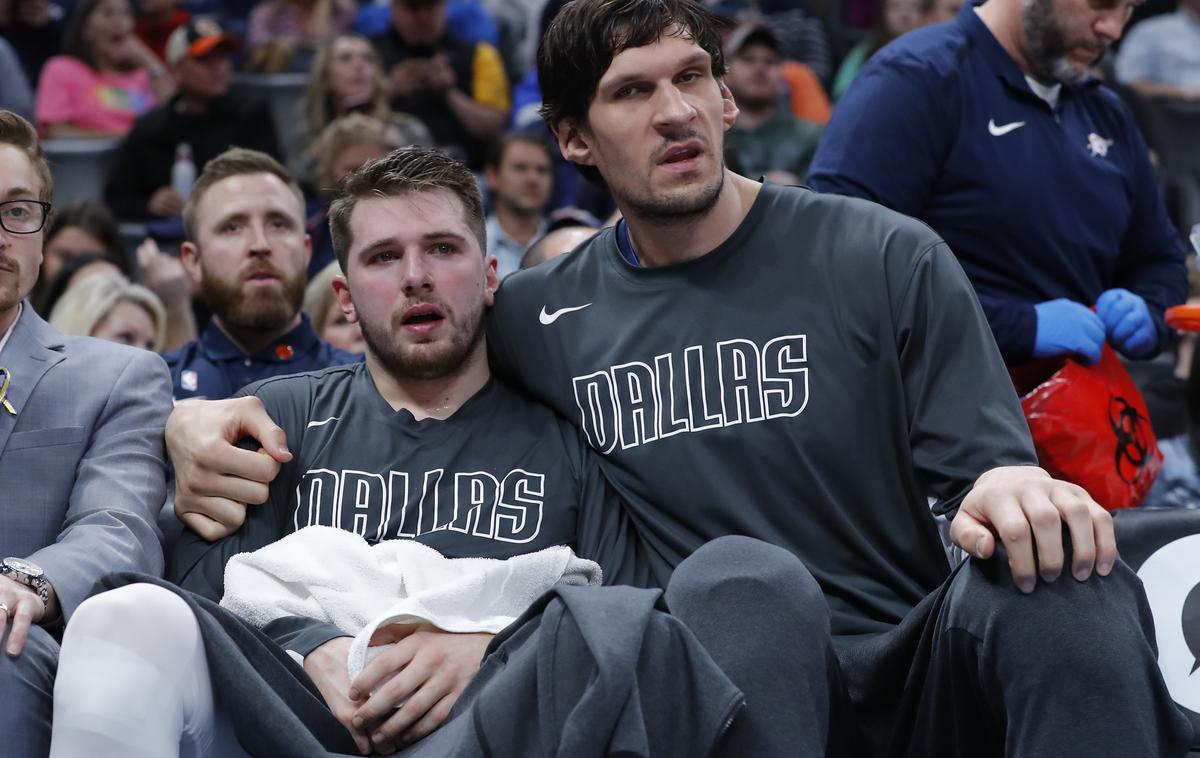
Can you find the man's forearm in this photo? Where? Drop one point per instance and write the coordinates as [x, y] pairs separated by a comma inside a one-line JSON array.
[[482, 121]]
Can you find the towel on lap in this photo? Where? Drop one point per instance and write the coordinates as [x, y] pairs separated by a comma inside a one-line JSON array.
[[335, 576]]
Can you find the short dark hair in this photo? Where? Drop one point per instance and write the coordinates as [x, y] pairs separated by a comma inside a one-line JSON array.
[[586, 35], [403, 172], [496, 150], [19, 133], [237, 161]]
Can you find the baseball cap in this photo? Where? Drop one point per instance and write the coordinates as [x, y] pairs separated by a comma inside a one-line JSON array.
[[748, 34], [196, 39]]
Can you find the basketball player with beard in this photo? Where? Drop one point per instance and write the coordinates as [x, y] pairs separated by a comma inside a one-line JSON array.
[[247, 250]]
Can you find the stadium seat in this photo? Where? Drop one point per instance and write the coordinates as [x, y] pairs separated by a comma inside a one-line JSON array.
[[80, 167], [285, 94]]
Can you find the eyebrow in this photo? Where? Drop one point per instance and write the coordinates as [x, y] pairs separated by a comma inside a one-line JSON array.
[[17, 192], [694, 59], [433, 236]]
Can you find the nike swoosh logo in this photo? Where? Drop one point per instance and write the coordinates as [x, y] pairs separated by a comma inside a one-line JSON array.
[[312, 424], [1000, 131], [549, 318]]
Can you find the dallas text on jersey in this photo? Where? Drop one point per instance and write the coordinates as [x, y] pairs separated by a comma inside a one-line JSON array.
[[738, 382]]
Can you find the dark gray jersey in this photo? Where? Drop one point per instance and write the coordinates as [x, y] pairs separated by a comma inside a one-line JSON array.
[[501, 477], [821, 381]]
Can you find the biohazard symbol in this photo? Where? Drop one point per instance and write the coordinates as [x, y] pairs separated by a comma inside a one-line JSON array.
[[1129, 427]]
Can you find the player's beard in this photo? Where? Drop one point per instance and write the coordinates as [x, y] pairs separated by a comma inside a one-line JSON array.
[[10, 283], [254, 309], [673, 207], [425, 360], [1048, 46]]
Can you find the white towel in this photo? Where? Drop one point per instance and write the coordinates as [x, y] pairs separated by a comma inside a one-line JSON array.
[[333, 575]]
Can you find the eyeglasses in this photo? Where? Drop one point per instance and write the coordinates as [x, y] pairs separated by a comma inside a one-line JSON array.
[[23, 216]]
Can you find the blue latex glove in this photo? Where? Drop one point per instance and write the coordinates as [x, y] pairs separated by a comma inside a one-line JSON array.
[[1064, 326], [1127, 322]]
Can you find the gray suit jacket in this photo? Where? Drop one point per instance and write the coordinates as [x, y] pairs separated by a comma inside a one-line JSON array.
[[82, 465]]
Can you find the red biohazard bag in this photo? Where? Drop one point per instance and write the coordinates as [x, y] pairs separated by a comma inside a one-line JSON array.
[[1090, 426]]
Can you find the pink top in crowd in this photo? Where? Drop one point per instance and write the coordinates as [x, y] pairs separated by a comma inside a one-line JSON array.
[[71, 92]]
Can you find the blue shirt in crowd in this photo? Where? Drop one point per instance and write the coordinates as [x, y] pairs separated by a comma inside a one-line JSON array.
[[213, 367], [1037, 201]]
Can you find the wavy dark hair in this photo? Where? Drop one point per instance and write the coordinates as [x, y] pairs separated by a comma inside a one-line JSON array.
[[586, 35]]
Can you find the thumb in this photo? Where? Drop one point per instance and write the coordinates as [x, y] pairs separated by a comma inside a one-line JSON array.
[[252, 420], [971, 535]]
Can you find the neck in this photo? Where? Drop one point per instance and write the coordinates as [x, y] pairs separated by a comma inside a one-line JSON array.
[[1003, 20], [518, 225], [753, 115], [8, 318], [662, 243], [251, 341], [432, 398]]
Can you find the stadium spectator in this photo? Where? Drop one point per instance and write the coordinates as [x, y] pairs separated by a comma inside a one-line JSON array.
[[247, 251], [518, 178], [17, 95], [991, 130], [35, 30], [82, 228], [559, 240], [457, 89], [898, 17], [652, 338], [346, 78], [156, 20], [110, 307], [82, 467], [766, 140], [203, 116], [284, 34], [104, 80], [346, 144], [802, 38], [327, 318], [1161, 55]]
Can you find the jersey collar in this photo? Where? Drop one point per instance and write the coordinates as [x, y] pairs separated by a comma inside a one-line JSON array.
[[218, 347], [998, 58]]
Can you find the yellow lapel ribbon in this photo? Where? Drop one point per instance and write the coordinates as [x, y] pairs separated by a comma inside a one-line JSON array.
[[6, 375]]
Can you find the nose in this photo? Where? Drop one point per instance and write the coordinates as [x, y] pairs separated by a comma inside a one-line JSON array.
[[414, 269], [672, 108], [1110, 23], [259, 246]]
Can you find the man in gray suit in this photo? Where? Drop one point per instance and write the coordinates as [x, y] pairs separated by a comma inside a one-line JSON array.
[[82, 468]]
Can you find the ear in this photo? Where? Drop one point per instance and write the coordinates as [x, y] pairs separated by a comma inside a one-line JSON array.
[[491, 282], [489, 178], [573, 144], [729, 109], [307, 250], [189, 256], [341, 291]]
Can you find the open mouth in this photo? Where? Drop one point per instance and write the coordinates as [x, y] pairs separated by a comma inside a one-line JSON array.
[[685, 152], [262, 278], [422, 318]]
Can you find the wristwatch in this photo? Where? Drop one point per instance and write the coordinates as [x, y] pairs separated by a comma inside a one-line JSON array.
[[28, 574]]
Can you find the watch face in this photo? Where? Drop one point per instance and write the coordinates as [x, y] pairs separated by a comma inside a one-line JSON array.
[[22, 567]]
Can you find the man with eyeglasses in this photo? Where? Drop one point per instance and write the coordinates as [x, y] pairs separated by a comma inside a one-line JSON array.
[[82, 467]]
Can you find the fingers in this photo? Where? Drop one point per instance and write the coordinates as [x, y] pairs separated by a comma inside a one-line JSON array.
[[1011, 524], [436, 716], [971, 535], [1105, 536], [1077, 512], [209, 529], [427, 708], [389, 663], [22, 617], [1093, 337]]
